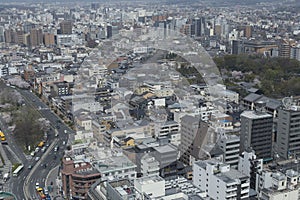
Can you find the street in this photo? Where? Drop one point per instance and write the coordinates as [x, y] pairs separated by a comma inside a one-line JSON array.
[[23, 186]]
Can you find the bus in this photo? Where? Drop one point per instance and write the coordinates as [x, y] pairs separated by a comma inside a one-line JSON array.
[[18, 170], [3, 139], [2, 134]]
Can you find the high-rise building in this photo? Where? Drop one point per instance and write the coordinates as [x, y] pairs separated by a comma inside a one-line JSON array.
[[109, 31], [285, 49], [49, 39], [236, 47], [248, 31], [193, 137], [256, 133], [66, 27], [295, 53], [2, 38], [10, 36], [36, 37], [199, 24], [288, 132]]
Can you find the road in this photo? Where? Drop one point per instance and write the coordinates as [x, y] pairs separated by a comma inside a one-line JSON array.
[[23, 186]]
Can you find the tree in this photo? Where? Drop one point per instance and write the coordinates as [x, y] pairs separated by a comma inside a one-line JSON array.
[[28, 129]]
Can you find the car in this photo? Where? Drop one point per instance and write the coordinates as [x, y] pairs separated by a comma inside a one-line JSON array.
[[30, 167], [64, 142], [56, 148], [37, 185], [37, 158], [37, 149], [32, 153], [43, 149]]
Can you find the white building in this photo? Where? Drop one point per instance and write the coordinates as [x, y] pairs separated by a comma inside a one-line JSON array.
[[149, 166], [153, 186], [279, 186], [219, 181], [230, 145], [249, 164]]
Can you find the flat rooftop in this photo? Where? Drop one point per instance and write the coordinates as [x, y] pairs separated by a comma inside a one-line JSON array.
[[255, 115]]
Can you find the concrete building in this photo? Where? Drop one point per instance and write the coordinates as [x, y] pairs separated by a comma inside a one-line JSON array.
[[153, 186], [288, 132], [230, 145], [36, 37], [66, 27], [49, 39], [256, 133], [166, 155], [279, 186], [219, 181], [295, 53], [149, 165], [77, 177], [193, 137], [251, 166]]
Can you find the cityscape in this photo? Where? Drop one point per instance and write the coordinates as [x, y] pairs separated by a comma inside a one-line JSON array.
[[154, 100]]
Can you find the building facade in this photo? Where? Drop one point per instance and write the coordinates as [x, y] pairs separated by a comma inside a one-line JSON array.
[[256, 133]]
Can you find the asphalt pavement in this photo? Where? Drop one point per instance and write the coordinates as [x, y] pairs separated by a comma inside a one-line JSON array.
[[48, 160]]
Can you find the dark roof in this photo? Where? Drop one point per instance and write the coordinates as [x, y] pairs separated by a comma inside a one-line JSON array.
[[252, 97]]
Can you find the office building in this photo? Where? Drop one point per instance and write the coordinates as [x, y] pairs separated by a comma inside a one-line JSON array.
[[256, 133], [36, 37], [288, 132], [49, 39], [66, 27]]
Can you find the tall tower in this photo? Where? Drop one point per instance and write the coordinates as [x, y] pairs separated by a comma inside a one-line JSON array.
[[256, 132]]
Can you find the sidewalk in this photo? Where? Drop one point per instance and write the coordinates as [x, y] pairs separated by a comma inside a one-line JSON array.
[[53, 183]]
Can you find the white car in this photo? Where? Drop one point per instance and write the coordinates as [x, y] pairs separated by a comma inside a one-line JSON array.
[[37, 185]]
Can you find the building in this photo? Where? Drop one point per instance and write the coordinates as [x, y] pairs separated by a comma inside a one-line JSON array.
[[66, 27], [193, 137], [278, 186], [285, 49], [230, 145], [166, 156], [60, 89], [295, 53], [36, 37], [256, 133], [77, 178], [149, 166], [251, 166], [49, 39], [153, 186], [219, 181], [288, 132]]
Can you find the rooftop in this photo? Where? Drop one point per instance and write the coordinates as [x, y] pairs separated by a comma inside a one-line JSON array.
[[255, 115]]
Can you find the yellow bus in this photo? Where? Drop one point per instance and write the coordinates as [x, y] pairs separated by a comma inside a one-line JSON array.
[[2, 134]]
